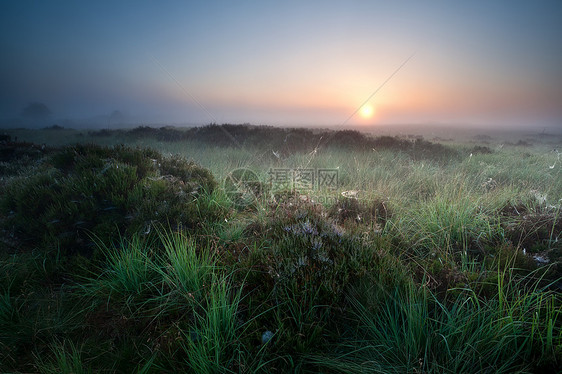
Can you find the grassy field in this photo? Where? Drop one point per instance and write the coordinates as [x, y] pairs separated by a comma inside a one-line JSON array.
[[259, 249]]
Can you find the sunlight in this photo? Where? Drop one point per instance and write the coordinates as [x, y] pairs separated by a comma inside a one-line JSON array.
[[366, 111]]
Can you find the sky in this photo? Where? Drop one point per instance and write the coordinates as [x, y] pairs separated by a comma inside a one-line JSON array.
[[329, 63]]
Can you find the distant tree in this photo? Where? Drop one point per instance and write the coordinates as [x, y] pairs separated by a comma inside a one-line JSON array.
[[36, 111], [54, 127], [116, 115]]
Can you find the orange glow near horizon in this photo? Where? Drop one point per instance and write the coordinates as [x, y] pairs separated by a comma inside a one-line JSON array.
[[407, 98]]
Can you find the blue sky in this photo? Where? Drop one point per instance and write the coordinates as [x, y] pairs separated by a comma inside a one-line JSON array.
[[286, 63]]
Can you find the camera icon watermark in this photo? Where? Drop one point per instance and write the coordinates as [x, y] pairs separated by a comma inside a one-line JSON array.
[[243, 187]]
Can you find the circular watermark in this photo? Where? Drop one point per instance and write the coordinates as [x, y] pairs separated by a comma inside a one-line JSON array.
[[242, 187]]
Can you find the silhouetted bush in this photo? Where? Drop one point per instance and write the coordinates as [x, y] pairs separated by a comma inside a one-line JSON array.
[[54, 127], [348, 139], [36, 111], [287, 141], [104, 132], [479, 149]]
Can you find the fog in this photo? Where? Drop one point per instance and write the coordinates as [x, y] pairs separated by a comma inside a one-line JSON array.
[[427, 66]]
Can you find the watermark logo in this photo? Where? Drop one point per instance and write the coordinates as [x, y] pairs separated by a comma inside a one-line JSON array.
[[242, 187], [303, 179], [328, 178]]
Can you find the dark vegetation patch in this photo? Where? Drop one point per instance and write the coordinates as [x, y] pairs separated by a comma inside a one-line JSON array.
[[536, 233], [104, 133], [480, 149], [16, 157], [483, 138], [168, 134], [54, 127], [439, 139], [286, 141], [308, 264], [520, 143], [349, 209], [533, 230], [85, 191]]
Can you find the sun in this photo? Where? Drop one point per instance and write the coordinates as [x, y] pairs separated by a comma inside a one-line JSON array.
[[366, 111]]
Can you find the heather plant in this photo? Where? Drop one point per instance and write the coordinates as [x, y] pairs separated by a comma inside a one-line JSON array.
[[86, 190], [307, 264]]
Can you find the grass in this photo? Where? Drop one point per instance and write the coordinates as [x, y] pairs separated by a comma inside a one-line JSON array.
[[413, 333], [120, 259], [66, 358], [410, 330]]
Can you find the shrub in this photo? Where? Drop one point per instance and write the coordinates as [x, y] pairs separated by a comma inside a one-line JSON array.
[[87, 190], [352, 209], [307, 266]]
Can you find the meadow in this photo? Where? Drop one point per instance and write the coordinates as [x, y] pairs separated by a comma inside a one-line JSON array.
[[240, 248]]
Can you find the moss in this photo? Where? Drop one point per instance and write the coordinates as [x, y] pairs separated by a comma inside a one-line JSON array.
[[436, 267]]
